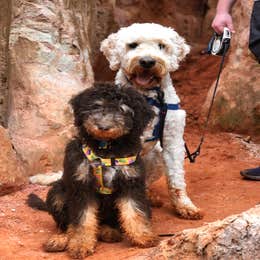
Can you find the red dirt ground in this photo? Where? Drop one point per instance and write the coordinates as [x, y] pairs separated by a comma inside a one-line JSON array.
[[213, 182]]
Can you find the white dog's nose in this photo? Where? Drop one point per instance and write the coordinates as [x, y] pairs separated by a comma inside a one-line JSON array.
[[147, 62]]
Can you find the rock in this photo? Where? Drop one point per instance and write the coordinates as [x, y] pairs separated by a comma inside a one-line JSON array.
[[237, 101], [5, 14], [49, 63], [12, 173], [103, 22], [185, 16], [235, 237]]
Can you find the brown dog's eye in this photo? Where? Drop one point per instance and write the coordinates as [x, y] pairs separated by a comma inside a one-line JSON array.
[[161, 46], [133, 45], [126, 109]]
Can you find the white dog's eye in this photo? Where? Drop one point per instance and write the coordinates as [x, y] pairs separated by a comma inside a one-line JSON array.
[[161, 46], [132, 45]]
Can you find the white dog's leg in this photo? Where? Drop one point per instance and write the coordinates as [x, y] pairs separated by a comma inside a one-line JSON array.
[[174, 153]]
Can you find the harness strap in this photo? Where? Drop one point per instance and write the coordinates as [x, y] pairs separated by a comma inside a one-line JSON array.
[[98, 162], [163, 107]]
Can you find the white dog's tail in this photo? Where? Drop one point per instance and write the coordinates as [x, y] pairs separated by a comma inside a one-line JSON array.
[[45, 179]]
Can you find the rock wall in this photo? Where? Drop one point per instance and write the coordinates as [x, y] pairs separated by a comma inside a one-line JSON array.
[[103, 23], [5, 14], [12, 172], [237, 106], [48, 63], [185, 16]]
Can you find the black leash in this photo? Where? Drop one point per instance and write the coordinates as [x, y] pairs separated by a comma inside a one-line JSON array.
[[166, 235], [192, 156], [163, 112]]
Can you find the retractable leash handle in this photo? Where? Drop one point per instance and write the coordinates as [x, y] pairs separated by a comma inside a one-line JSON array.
[[212, 49]]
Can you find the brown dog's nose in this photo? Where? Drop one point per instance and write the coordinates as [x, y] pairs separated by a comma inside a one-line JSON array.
[[147, 62], [103, 128]]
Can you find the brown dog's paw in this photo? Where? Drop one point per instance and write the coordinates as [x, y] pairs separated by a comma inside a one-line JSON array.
[[109, 234], [56, 243], [146, 240], [154, 199], [80, 247]]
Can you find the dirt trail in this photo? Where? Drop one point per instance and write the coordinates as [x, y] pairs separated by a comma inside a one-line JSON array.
[[213, 182]]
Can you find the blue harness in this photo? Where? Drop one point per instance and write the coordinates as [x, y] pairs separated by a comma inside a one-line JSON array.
[[163, 108]]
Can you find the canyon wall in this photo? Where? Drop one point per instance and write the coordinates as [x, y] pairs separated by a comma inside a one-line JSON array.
[[237, 106]]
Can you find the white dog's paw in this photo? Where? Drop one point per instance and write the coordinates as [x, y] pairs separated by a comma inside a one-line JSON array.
[[184, 206]]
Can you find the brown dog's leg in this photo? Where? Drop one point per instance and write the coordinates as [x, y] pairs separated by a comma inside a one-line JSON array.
[[135, 223], [154, 199], [83, 237], [109, 234]]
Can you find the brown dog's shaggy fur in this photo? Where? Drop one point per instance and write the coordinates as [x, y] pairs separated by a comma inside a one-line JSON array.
[[117, 117]]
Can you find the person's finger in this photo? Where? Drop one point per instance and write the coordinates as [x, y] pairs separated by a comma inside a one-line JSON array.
[[218, 27], [230, 27]]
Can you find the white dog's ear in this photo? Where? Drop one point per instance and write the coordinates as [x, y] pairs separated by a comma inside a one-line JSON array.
[[184, 48], [181, 48], [110, 49]]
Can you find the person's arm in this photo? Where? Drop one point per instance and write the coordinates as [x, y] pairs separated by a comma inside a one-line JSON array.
[[223, 17]]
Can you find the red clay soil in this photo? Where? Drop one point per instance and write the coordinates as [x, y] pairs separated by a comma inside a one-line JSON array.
[[213, 183]]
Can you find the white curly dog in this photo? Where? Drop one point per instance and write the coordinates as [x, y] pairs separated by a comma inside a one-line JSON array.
[[144, 54]]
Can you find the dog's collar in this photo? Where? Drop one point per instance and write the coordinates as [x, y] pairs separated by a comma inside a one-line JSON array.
[[97, 169], [104, 144], [108, 161]]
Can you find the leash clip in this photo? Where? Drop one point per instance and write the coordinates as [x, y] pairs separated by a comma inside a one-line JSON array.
[[192, 156]]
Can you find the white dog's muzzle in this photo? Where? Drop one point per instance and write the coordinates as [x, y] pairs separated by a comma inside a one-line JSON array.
[[145, 71]]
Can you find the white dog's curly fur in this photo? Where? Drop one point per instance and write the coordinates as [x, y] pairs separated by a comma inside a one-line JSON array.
[[162, 49]]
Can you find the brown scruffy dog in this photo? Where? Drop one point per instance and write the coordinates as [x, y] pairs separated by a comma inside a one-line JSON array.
[[102, 190]]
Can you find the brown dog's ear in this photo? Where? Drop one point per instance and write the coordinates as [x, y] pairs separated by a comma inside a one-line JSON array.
[[142, 110], [75, 103], [110, 49], [148, 114], [79, 104]]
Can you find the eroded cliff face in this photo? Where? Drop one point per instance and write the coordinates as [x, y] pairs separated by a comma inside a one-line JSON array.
[[12, 172], [237, 106], [5, 15], [186, 17], [48, 64]]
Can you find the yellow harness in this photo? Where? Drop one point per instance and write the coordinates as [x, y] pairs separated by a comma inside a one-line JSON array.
[[108, 162]]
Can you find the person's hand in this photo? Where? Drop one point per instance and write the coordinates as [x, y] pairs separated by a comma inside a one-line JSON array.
[[222, 20]]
